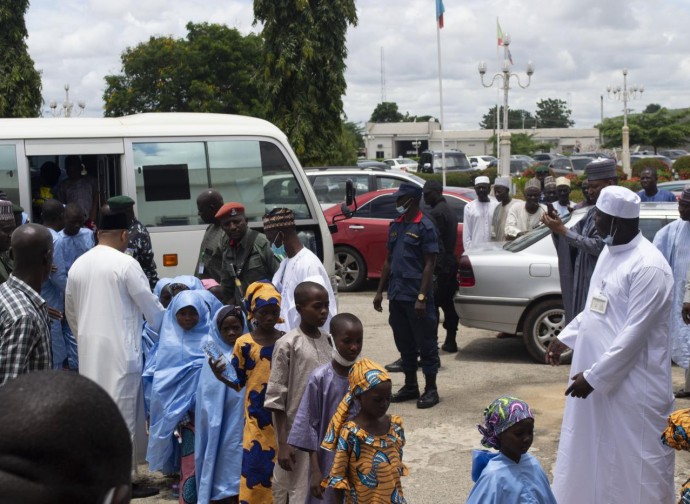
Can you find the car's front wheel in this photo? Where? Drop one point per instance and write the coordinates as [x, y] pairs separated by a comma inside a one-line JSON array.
[[543, 324], [350, 269]]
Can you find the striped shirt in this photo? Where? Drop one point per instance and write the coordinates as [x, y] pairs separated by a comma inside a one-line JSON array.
[[24, 330]]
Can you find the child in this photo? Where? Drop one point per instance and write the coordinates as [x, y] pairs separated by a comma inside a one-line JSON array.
[[213, 287], [219, 419], [368, 449], [251, 359], [179, 358], [676, 436], [325, 389], [513, 475], [295, 356]]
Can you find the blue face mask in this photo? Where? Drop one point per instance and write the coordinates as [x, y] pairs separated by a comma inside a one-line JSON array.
[[402, 210], [279, 252], [608, 239]]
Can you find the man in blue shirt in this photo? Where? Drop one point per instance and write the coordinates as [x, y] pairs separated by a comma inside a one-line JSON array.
[[650, 192], [408, 272]]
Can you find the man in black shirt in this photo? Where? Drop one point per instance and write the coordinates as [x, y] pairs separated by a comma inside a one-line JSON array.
[[446, 263]]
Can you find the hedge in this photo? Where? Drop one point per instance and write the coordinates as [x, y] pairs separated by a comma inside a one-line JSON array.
[[662, 172], [682, 167]]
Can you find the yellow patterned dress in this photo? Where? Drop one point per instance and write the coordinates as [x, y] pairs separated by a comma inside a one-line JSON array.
[[367, 467], [252, 362]]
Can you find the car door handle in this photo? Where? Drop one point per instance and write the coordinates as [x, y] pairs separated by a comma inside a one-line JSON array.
[[355, 226]]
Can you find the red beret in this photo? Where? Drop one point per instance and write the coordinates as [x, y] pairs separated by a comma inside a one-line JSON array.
[[230, 210]]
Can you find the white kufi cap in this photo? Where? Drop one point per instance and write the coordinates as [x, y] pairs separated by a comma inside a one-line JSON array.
[[482, 180], [619, 202], [502, 181]]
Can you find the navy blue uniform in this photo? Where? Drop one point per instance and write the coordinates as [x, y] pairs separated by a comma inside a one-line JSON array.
[[408, 243]]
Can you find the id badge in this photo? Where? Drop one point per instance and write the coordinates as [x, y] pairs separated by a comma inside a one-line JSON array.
[[599, 304], [201, 268]]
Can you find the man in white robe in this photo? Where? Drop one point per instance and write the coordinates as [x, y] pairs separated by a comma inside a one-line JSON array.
[[506, 202], [476, 229], [527, 216], [300, 264], [673, 241], [106, 300], [620, 394], [563, 205]]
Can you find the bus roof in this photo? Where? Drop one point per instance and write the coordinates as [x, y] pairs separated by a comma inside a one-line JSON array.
[[153, 124]]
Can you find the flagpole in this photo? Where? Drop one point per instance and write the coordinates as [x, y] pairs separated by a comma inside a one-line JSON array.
[[440, 93]]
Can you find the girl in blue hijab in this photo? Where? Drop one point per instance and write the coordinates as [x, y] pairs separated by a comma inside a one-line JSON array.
[[220, 417], [180, 356]]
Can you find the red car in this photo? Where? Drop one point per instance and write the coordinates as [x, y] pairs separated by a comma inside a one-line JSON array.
[[360, 242]]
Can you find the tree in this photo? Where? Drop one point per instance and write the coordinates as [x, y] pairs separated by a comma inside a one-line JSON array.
[[348, 143], [386, 112], [651, 108], [20, 82], [662, 128], [304, 71], [515, 119], [553, 113], [214, 69]]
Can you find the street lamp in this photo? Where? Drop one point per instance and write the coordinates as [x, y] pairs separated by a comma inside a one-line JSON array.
[[504, 76], [416, 144], [67, 106], [625, 94]]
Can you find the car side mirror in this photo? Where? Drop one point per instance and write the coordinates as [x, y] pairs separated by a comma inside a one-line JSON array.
[[474, 164], [345, 211], [427, 166], [350, 192]]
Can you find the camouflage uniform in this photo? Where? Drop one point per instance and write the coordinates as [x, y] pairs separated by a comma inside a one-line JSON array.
[[210, 262], [140, 248]]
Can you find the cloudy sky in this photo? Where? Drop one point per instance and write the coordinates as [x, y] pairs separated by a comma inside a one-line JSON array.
[[577, 46]]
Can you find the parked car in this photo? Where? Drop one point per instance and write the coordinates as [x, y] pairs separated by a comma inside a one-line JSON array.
[[481, 162], [329, 183], [637, 157], [574, 165], [360, 242], [401, 163], [456, 161], [523, 157], [372, 164], [515, 288], [673, 154], [517, 166], [596, 155], [545, 156]]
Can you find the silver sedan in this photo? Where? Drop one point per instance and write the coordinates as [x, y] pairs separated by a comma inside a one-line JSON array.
[[514, 287]]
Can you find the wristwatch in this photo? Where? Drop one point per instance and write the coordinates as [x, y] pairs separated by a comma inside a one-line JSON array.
[[421, 297]]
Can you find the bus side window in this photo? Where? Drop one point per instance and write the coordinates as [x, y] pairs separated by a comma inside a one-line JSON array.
[[9, 178]]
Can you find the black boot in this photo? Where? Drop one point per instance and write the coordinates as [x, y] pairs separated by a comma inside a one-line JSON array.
[[430, 397], [409, 391], [450, 345], [394, 367]]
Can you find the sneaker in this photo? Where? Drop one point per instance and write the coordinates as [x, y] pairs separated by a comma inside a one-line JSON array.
[[429, 399]]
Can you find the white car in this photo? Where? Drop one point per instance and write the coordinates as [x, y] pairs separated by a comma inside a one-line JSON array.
[[481, 162], [401, 163]]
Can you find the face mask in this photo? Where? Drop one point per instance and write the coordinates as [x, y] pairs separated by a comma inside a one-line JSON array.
[[402, 210], [608, 240], [279, 252], [340, 359]]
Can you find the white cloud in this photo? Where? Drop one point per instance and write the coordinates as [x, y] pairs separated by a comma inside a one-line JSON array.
[[577, 46]]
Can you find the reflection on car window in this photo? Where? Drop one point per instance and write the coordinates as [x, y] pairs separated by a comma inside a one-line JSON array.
[[382, 207], [389, 182], [456, 204], [331, 188], [649, 227], [531, 237]]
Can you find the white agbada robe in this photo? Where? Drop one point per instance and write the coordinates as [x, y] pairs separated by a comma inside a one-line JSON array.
[[106, 300], [304, 266], [610, 449], [519, 220], [476, 227], [673, 240]]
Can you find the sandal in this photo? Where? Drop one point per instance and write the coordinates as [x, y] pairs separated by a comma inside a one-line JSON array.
[[681, 394]]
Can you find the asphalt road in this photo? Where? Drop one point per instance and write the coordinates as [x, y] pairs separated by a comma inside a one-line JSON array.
[[440, 439]]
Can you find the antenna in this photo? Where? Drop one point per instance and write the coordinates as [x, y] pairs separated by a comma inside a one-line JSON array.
[[383, 77]]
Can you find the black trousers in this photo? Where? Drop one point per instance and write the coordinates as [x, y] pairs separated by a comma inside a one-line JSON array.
[[415, 336], [446, 287]]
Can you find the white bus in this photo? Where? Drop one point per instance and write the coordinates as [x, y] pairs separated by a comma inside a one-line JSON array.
[[163, 161]]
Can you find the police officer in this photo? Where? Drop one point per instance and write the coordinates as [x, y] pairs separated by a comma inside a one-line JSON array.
[[139, 239], [446, 263], [408, 271]]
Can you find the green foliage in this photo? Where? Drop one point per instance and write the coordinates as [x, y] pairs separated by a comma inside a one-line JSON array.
[[662, 128], [386, 112], [212, 70], [553, 113], [651, 108], [304, 72], [662, 171], [20, 82], [682, 167], [515, 119], [522, 143], [348, 142]]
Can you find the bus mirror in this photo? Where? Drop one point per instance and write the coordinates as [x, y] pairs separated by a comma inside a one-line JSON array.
[[349, 192]]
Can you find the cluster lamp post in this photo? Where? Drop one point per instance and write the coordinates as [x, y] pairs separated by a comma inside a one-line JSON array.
[[624, 95]]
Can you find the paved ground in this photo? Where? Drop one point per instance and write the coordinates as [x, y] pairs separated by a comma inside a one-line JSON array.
[[440, 440]]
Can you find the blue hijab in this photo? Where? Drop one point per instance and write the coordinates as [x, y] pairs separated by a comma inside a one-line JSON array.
[[219, 417], [211, 301], [179, 359], [190, 281], [149, 335]]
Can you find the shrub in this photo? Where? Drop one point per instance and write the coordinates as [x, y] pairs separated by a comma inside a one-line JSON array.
[[643, 163], [464, 179], [633, 184], [682, 167]]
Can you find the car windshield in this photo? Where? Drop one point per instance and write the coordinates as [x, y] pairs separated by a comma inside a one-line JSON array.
[[455, 161], [529, 238], [579, 164]]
